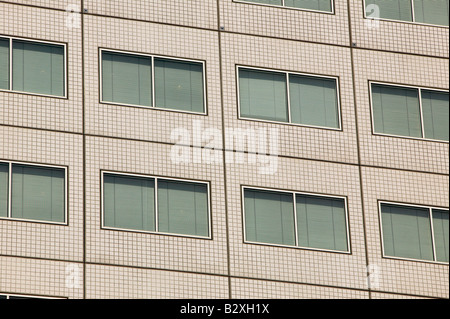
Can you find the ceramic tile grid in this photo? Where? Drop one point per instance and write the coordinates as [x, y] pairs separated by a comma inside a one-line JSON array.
[[27, 110], [42, 278], [263, 289], [43, 240], [289, 263], [193, 13], [148, 123], [114, 282], [395, 275], [143, 249], [297, 57], [279, 22], [66, 5], [401, 69]]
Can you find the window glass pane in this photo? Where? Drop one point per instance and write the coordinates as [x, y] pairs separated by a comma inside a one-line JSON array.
[[273, 2], [38, 193], [435, 110], [4, 168], [38, 68], [179, 85], [322, 5], [313, 101], [396, 110], [440, 228], [393, 9], [406, 232], [126, 79], [129, 202], [269, 217], [263, 95], [431, 11], [183, 208], [321, 222], [4, 64]]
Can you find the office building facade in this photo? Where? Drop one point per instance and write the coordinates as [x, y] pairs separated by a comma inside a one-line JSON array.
[[224, 149]]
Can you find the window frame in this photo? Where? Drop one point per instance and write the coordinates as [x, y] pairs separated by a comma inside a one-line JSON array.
[[287, 73], [430, 211], [9, 189], [152, 59], [419, 89], [8, 295], [155, 178], [294, 193], [402, 21], [332, 12], [37, 41]]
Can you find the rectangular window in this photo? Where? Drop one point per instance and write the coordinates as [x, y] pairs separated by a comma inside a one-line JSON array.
[[295, 219], [30, 192], [315, 5], [289, 98], [126, 78], [183, 208], [179, 85], [321, 222], [414, 232], [410, 112], [269, 217], [32, 67], [434, 12], [129, 202], [151, 204], [150, 81]]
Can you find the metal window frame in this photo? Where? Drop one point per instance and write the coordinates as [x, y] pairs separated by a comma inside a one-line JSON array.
[[290, 8], [419, 90], [9, 189], [294, 194], [65, 69], [403, 21], [287, 74], [8, 295], [430, 212], [155, 178], [152, 88]]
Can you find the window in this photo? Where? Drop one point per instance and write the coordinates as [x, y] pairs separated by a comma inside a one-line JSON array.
[[295, 219], [9, 296], [152, 204], [410, 112], [30, 192], [288, 97], [415, 232], [32, 67], [421, 11], [315, 5], [150, 81]]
